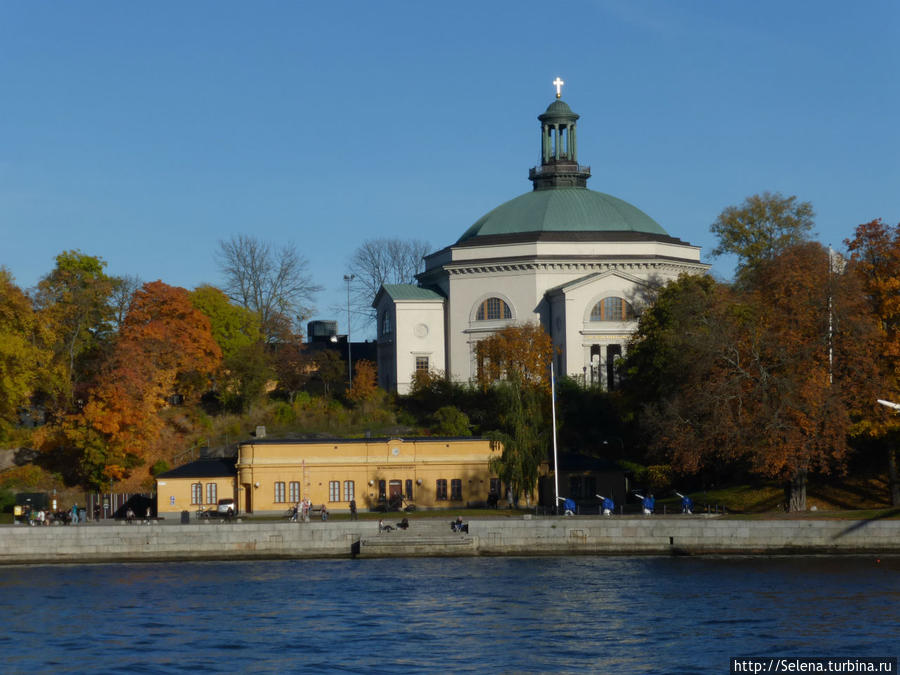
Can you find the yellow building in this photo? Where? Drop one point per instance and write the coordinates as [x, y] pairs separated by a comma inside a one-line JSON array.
[[273, 475]]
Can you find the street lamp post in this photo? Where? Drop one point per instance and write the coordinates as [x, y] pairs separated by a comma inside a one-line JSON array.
[[348, 278]]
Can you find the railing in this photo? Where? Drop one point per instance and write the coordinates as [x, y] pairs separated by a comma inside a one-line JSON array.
[[558, 168]]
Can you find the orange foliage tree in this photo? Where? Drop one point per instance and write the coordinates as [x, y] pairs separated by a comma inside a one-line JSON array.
[[165, 347], [875, 259], [520, 352], [769, 375]]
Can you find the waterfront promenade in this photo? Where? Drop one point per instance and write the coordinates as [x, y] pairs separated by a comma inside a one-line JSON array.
[[487, 536]]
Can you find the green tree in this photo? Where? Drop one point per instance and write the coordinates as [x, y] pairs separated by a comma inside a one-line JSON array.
[[761, 228], [234, 327], [523, 437], [245, 376], [74, 304], [330, 369]]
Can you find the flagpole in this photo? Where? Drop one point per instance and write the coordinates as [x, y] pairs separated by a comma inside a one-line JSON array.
[[553, 414]]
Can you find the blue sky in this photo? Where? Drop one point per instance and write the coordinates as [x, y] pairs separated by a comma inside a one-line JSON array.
[[143, 133]]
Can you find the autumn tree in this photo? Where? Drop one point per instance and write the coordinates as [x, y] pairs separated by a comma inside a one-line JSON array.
[[123, 291], [21, 356], [768, 374], [272, 282], [875, 259], [521, 352], [762, 227], [384, 261], [165, 347], [294, 367], [364, 383], [73, 303]]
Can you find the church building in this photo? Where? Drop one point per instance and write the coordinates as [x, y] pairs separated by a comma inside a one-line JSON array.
[[579, 262]]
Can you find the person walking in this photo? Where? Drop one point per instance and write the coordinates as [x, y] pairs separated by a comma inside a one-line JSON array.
[[353, 515]]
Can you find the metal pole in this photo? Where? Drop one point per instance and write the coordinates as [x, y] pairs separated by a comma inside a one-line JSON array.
[[348, 278], [553, 415]]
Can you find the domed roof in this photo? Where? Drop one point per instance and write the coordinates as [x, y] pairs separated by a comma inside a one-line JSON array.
[[558, 109], [563, 210]]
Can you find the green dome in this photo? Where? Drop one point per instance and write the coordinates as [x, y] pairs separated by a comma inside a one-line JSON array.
[[558, 109], [563, 210]]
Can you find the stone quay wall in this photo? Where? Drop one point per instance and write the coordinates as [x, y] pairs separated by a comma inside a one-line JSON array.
[[587, 535]]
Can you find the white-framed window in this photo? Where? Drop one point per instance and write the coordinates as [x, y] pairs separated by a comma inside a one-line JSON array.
[[334, 490], [294, 491], [279, 492], [349, 490], [196, 493], [421, 364], [211, 489]]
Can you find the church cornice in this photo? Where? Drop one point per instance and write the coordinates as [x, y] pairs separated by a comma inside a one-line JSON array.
[[575, 264]]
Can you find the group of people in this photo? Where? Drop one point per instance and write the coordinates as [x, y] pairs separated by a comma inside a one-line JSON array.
[[402, 525], [40, 516], [302, 509]]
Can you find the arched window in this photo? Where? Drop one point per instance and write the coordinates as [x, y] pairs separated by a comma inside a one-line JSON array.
[[493, 309], [612, 309]]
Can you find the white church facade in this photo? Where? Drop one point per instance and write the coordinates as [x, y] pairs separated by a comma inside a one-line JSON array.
[[579, 262]]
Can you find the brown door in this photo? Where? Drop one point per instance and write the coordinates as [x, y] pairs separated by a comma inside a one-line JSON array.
[[395, 492]]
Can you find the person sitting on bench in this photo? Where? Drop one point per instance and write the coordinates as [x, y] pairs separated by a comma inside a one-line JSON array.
[[458, 525]]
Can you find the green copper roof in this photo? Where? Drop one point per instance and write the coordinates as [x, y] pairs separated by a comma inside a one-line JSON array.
[[410, 292], [558, 110], [563, 210]]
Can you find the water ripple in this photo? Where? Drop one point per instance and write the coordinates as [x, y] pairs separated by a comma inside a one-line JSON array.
[[506, 615]]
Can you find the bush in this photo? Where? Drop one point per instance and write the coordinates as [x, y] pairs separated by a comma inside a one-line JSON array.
[[159, 467], [451, 421], [7, 500], [283, 413]]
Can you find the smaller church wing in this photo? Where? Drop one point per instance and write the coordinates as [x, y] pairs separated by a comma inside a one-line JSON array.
[[410, 334]]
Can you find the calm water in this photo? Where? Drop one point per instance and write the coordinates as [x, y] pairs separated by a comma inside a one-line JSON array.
[[581, 614]]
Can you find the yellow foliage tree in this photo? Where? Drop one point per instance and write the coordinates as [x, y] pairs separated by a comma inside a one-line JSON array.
[[364, 384]]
